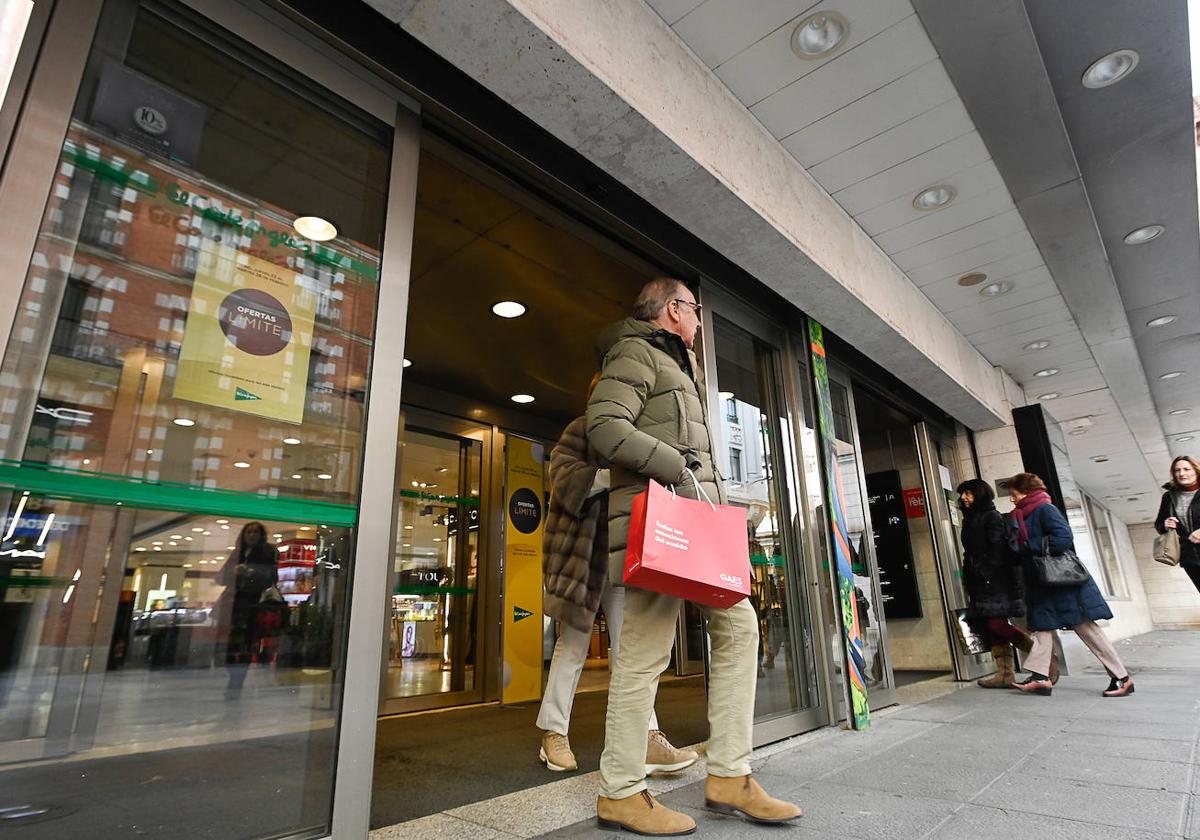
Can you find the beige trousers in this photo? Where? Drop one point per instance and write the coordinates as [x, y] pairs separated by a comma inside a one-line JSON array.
[[1091, 634], [646, 639]]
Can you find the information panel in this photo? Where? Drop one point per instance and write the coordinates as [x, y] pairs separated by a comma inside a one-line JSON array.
[[893, 547], [525, 493]]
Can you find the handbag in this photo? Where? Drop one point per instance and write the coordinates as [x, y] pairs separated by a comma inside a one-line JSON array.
[[1166, 548], [687, 548], [1058, 570]]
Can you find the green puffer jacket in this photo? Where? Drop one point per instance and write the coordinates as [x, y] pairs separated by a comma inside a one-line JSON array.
[[648, 418]]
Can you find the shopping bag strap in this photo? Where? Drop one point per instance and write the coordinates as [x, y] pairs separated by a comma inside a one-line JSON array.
[[699, 489]]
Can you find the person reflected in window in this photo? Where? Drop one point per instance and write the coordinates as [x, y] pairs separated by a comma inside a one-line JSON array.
[[1180, 510], [995, 591], [251, 570], [1078, 608]]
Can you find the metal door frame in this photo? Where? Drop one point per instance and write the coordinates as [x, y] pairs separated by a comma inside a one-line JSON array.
[[784, 399], [488, 580], [945, 549], [877, 698]]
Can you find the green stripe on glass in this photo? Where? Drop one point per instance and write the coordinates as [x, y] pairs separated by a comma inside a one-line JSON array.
[[467, 501], [108, 489]]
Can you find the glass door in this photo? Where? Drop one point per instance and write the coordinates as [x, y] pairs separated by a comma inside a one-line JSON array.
[[755, 454], [868, 592], [433, 654]]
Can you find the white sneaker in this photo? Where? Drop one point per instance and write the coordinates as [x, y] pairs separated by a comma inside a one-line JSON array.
[[663, 757]]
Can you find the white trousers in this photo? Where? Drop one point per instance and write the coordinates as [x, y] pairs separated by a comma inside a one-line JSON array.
[[566, 665]]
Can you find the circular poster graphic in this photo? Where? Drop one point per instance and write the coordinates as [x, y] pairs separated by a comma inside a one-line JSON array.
[[254, 322], [525, 510]]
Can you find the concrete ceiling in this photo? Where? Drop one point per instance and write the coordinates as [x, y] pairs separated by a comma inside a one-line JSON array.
[[893, 111]]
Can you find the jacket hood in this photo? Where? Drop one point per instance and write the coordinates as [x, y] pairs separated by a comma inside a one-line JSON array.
[[633, 328]]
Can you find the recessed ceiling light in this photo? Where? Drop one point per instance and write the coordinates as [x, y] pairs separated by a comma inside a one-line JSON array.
[[1046, 372], [140, 548], [1040, 344], [149, 451], [1053, 395], [931, 198], [408, 527], [508, 309], [1171, 374], [158, 548], [725, 395], [1143, 234], [1184, 438], [1001, 287], [324, 476], [197, 530], [222, 521], [242, 465], [315, 228], [172, 542], [297, 475], [1161, 321], [522, 398], [818, 35], [1175, 412], [177, 536], [1077, 432], [407, 363], [1110, 69], [972, 279], [183, 421], [189, 539], [291, 441], [1100, 459]]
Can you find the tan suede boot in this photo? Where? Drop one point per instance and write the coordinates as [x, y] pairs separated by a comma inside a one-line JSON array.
[[743, 795], [1003, 677], [641, 814]]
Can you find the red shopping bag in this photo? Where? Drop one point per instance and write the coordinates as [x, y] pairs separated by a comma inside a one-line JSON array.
[[695, 550]]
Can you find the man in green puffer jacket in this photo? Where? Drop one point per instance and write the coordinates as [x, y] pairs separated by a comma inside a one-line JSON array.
[[647, 418]]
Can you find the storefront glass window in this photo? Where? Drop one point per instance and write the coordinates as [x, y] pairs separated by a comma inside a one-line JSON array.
[[182, 410], [1115, 578]]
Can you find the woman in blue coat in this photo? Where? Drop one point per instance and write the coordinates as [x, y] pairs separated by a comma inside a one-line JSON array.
[[1077, 608]]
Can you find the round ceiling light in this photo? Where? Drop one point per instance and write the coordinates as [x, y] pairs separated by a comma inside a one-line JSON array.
[[407, 363], [1143, 234], [1000, 287], [1053, 395], [291, 441], [297, 475], [1046, 372], [183, 421], [1161, 321], [324, 476], [522, 398], [818, 35], [1040, 344], [1100, 459], [315, 228], [725, 395], [241, 465], [509, 309], [931, 198], [1110, 69], [1172, 374], [972, 279], [1184, 438], [1178, 411]]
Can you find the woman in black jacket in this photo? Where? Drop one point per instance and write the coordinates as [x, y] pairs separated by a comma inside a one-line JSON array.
[[252, 569], [993, 579], [1180, 509]]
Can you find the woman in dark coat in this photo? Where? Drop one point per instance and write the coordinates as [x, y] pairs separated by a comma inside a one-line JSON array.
[[1180, 510], [993, 580], [252, 569], [1077, 608]]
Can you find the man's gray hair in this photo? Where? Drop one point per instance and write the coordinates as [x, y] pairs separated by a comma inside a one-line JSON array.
[[654, 297]]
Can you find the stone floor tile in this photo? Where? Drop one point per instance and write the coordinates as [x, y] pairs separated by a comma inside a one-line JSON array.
[[1069, 799], [1124, 772], [980, 823]]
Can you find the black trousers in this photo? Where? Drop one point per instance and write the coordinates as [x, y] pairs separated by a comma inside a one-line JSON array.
[[1194, 573]]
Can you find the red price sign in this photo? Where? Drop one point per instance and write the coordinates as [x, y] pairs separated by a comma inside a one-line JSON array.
[[914, 503]]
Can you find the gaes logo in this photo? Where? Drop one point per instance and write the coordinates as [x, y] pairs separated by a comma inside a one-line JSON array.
[[736, 580]]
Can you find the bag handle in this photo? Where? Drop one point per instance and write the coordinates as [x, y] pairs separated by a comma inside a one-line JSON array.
[[699, 488]]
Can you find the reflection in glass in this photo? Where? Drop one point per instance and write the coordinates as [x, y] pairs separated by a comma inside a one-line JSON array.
[[753, 430], [151, 408]]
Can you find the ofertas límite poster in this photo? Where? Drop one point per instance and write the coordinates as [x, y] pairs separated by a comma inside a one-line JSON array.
[[248, 336]]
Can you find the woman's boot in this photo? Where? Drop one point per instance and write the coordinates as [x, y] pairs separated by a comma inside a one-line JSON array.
[[1026, 644], [1003, 677]]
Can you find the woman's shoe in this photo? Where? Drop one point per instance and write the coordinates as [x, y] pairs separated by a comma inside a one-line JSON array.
[[1035, 684], [1119, 687]]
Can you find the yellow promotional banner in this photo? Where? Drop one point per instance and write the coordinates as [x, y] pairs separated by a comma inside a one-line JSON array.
[[248, 336], [525, 488]]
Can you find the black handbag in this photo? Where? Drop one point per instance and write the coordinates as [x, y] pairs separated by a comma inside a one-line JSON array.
[[1058, 570]]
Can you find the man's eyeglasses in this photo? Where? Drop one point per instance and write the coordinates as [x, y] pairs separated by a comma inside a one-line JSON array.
[[695, 306]]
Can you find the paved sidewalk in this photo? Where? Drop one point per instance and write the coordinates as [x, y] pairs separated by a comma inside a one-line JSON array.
[[999, 764], [967, 763]]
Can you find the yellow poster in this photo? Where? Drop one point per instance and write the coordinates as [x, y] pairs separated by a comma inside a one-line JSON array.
[[248, 336], [524, 486]]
